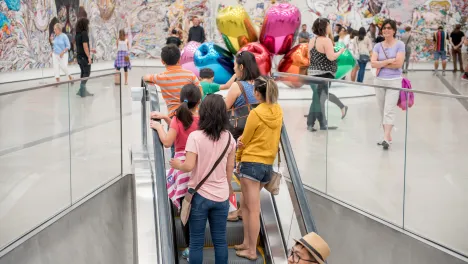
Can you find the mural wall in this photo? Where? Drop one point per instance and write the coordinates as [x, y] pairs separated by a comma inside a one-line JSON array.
[[26, 25]]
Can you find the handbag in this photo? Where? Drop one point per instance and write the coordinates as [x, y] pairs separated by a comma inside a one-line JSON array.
[[238, 116], [127, 58], [406, 98], [362, 57], [187, 202], [273, 185]]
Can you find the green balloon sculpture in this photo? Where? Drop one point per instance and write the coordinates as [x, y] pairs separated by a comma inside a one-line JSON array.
[[345, 61]]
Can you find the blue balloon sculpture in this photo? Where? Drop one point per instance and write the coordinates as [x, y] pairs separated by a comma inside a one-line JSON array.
[[210, 55]]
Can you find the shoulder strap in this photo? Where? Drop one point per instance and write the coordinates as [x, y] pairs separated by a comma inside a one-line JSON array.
[[215, 165], [241, 87], [381, 47]]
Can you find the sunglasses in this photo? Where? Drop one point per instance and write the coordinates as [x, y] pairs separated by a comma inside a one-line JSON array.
[[387, 28]]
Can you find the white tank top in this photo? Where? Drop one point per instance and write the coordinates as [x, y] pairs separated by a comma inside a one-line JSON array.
[[122, 45]]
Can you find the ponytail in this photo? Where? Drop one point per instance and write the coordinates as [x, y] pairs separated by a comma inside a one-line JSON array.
[[190, 96], [267, 87]]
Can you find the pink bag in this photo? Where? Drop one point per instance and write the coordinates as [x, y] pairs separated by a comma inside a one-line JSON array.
[[405, 96]]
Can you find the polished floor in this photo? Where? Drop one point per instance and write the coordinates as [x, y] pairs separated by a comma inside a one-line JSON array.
[[419, 184]]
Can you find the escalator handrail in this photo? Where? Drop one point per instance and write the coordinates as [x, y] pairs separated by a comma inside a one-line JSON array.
[[164, 216], [306, 213]]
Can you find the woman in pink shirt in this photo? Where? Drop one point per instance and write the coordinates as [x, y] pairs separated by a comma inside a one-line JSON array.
[[211, 202], [182, 124]]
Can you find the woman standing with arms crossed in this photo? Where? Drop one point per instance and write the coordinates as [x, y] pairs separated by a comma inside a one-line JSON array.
[[257, 150], [60, 52], [123, 59], [388, 57], [323, 65], [204, 147]]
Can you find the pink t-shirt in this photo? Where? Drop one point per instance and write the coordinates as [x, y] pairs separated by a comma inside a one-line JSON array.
[[216, 187], [182, 134]]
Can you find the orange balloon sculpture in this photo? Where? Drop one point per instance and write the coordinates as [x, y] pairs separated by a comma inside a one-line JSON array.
[[296, 61]]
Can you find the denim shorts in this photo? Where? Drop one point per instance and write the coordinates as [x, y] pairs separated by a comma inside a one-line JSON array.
[[440, 55], [258, 172]]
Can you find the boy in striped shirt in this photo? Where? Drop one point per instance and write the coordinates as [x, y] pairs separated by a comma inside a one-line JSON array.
[[440, 52], [173, 79]]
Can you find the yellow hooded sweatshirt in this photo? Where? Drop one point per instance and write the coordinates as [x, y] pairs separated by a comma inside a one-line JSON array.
[[261, 135]]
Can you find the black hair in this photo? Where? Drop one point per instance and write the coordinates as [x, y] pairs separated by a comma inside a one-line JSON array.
[[320, 27], [267, 88], [190, 96], [174, 31], [82, 25], [250, 70], [213, 117], [82, 12], [457, 28], [362, 33], [354, 34], [206, 73], [392, 24], [340, 27], [170, 55]]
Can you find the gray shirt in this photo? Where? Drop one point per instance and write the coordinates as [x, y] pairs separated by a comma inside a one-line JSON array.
[[407, 38], [304, 35]]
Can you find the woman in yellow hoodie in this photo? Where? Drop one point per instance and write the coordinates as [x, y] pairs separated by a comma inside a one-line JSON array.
[[256, 154]]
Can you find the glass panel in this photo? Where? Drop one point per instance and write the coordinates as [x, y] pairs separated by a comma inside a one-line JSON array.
[[34, 159], [359, 171], [96, 147], [309, 148], [436, 171]]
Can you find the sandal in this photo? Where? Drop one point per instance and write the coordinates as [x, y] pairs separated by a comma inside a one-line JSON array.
[[239, 254]]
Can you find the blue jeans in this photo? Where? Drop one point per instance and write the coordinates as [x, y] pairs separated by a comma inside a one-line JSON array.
[[216, 213], [362, 70]]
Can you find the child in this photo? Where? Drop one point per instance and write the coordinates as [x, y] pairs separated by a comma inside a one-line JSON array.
[[173, 79], [464, 51], [184, 122], [207, 77]]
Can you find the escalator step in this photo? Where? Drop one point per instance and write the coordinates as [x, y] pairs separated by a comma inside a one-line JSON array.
[[209, 257], [235, 234]]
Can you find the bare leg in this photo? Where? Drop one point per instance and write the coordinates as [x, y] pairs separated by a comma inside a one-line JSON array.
[[126, 78], [436, 65], [57, 79], [388, 132], [245, 243], [251, 216]]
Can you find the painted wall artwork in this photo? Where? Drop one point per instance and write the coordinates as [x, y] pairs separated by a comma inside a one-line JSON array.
[[26, 25]]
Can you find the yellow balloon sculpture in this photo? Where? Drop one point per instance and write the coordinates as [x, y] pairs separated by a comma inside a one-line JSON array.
[[235, 27]]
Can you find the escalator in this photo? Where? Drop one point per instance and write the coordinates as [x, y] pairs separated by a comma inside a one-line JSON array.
[[276, 229]]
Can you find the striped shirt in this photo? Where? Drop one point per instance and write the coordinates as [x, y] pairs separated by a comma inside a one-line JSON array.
[[171, 82], [440, 39]]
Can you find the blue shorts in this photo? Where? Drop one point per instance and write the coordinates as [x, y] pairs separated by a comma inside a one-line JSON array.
[[258, 172], [440, 55]]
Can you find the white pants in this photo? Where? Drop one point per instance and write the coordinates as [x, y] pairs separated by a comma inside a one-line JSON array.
[[60, 63], [387, 99]]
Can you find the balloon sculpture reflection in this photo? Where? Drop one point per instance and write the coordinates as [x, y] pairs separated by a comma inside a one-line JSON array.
[[279, 27], [296, 61], [186, 57], [210, 55], [345, 61], [262, 56], [235, 27]]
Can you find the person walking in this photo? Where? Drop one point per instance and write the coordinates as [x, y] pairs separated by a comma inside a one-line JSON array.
[[456, 41], [61, 46], [196, 32], [364, 49], [123, 59], [212, 142], [440, 52], [323, 64], [83, 54], [258, 148], [407, 38], [388, 57]]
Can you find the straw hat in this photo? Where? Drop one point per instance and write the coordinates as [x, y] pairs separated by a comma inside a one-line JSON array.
[[316, 246]]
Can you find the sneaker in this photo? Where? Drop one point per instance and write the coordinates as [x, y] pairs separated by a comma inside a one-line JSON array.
[[311, 129], [443, 73], [385, 145], [186, 253], [435, 72], [380, 143], [329, 128]]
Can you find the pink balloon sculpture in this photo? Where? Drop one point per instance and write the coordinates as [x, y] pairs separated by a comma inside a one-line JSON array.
[[279, 27], [186, 57]]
